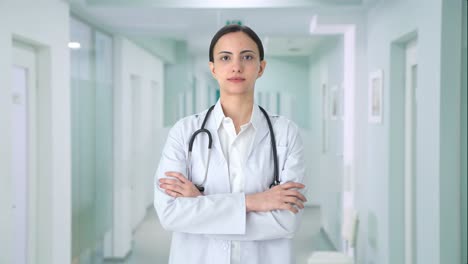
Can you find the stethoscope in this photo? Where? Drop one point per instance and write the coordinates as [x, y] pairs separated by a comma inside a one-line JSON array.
[[200, 187]]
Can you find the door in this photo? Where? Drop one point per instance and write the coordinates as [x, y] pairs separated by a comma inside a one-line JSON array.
[[23, 91], [411, 73]]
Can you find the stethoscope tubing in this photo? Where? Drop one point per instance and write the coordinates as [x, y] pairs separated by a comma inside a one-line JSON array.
[[273, 144], [200, 187]]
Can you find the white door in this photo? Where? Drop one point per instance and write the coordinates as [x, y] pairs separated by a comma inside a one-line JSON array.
[[23, 91], [411, 73]]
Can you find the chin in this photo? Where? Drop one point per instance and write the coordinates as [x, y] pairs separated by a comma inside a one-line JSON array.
[[237, 92]]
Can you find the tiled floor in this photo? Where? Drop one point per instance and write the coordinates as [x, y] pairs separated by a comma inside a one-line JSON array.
[[152, 242]]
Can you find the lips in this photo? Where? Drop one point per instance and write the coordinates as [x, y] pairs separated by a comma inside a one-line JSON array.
[[236, 79]]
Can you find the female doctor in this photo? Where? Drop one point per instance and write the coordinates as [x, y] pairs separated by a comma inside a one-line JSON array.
[[239, 213]]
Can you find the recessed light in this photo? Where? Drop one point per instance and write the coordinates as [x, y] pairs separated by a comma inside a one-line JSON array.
[[74, 45]]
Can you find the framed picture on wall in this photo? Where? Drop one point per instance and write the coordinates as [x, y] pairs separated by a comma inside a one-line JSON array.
[[375, 99]]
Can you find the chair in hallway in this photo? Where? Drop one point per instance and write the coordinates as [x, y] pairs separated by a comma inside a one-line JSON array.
[[348, 233]]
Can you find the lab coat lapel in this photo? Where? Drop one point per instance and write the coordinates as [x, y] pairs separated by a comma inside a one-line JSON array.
[[221, 177], [216, 147], [261, 129]]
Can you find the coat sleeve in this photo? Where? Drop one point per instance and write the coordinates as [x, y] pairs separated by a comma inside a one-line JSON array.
[[279, 223], [210, 214]]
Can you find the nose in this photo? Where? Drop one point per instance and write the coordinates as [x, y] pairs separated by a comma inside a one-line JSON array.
[[237, 65]]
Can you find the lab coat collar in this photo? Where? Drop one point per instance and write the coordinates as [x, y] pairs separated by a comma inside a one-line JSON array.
[[257, 119]]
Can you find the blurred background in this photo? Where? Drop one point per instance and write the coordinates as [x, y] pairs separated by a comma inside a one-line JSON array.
[[90, 89]]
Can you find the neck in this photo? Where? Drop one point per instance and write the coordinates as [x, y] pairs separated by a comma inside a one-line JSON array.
[[238, 108]]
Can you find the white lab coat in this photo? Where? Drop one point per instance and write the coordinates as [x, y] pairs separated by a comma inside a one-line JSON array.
[[203, 227]]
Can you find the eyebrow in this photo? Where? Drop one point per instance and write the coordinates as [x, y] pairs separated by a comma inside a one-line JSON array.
[[242, 52]]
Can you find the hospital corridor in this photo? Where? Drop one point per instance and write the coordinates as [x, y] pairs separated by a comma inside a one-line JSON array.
[[365, 103]]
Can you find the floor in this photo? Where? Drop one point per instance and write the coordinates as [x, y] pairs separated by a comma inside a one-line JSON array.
[[151, 241]]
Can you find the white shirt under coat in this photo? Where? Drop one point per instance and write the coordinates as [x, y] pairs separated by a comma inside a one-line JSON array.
[[215, 228]]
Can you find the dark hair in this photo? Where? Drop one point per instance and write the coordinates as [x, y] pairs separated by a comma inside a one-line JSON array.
[[236, 28]]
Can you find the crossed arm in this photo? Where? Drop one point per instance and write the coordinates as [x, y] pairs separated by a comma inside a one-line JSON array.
[[270, 214], [281, 197]]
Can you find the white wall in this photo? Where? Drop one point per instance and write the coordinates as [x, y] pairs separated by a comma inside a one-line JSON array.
[[133, 171], [204, 82], [436, 227], [43, 25], [289, 77]]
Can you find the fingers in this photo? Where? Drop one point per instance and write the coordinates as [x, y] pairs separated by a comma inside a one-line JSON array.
[[173, 184], [178, 185], [290, 207], [176, 175], [289, 185], [175, 187], [173, 194], [296, 194], [294, 201]]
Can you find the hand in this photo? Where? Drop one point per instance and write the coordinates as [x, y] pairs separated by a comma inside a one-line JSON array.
[[281, 197], [178, 187]]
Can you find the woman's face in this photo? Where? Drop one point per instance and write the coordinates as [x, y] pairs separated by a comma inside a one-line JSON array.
[[236, 64]]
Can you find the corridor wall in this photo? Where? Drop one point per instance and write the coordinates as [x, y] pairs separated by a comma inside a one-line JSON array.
[[19, 20], [138, 120], [287, 76], [179, 77], [437, 194]]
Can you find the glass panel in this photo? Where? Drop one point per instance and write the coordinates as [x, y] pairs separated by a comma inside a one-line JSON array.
[[92, 130], [103, 134], [82, 157]]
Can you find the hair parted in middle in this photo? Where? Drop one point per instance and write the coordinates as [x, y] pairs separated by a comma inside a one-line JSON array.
[[236, 28]]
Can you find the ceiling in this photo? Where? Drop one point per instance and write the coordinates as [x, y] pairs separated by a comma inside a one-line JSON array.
[[283, 25]]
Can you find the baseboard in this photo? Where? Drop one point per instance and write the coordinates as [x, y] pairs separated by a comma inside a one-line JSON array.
[[117, 260]]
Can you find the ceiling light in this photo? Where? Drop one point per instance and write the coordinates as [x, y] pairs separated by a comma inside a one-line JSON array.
[[74, 45]]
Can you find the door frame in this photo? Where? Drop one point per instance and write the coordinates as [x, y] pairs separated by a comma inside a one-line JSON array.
[[26, 56], [410, 151]]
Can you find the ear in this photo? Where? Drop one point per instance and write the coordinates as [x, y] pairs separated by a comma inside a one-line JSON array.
[[262, 68], [212, 69]]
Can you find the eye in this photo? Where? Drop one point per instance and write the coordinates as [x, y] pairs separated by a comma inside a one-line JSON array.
[[224, 58], [248, 57]]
